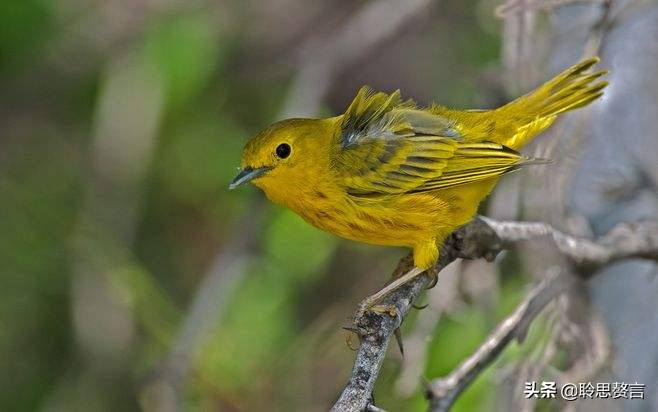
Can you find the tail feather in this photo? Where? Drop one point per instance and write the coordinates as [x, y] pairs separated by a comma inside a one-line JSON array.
[[520, 120]]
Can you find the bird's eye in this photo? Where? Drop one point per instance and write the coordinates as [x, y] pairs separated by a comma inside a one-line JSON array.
[[283, 150]]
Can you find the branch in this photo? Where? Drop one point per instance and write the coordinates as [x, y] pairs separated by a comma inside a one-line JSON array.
[[485, 238], [441, 301], [443, 392], [624, 241], [375, 330], [634, 240]]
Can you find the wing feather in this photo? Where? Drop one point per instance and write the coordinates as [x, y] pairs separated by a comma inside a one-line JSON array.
[[389, 147]]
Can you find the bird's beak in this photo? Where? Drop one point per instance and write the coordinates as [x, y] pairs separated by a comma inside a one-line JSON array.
[[247, 174]]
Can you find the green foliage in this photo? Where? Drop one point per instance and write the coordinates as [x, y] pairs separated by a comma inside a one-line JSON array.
[[24, 26], [262, 320], [215, 81], [185, 50], [38, 196], [199, 156]]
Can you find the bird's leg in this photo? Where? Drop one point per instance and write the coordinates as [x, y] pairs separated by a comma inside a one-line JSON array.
[[372, 302]]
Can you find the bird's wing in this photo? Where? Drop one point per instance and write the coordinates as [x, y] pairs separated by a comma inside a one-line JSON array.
[[388, 147]]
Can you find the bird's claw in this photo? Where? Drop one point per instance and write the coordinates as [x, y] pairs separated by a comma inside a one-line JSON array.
[[434, 275], [377, 308], [390, 310]]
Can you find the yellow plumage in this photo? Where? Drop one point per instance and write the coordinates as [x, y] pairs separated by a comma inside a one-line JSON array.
[[387, 172]]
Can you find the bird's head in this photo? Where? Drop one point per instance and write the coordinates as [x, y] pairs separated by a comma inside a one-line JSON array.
[[285, 156]]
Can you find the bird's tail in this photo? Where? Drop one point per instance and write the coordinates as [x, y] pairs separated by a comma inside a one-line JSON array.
[[520, 120]]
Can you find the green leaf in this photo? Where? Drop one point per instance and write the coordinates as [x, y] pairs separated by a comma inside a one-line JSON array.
[[186, 48]]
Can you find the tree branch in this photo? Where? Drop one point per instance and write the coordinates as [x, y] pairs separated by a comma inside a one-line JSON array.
[[485, 238], [443, 392], [634, 240], [624, 241], [375, 330]]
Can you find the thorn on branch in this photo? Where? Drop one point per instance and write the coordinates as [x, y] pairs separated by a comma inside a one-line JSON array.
[[398, 339]]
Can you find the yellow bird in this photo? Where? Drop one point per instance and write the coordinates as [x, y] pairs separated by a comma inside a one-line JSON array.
[[387, 172]]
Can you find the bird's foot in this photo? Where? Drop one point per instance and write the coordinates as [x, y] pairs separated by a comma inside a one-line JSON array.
[[374, 303], [369, 306], [384, 310], [433, 273]]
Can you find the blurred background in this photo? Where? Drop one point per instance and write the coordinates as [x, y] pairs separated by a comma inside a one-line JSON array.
[[132, 279]]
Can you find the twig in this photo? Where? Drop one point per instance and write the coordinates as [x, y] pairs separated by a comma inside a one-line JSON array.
[[440, 300], [638, 240], [375, 330], [444, 391], [625, 240], [485, 237]]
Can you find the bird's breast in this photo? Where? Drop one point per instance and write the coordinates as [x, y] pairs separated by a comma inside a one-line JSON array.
[[402, 221]]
